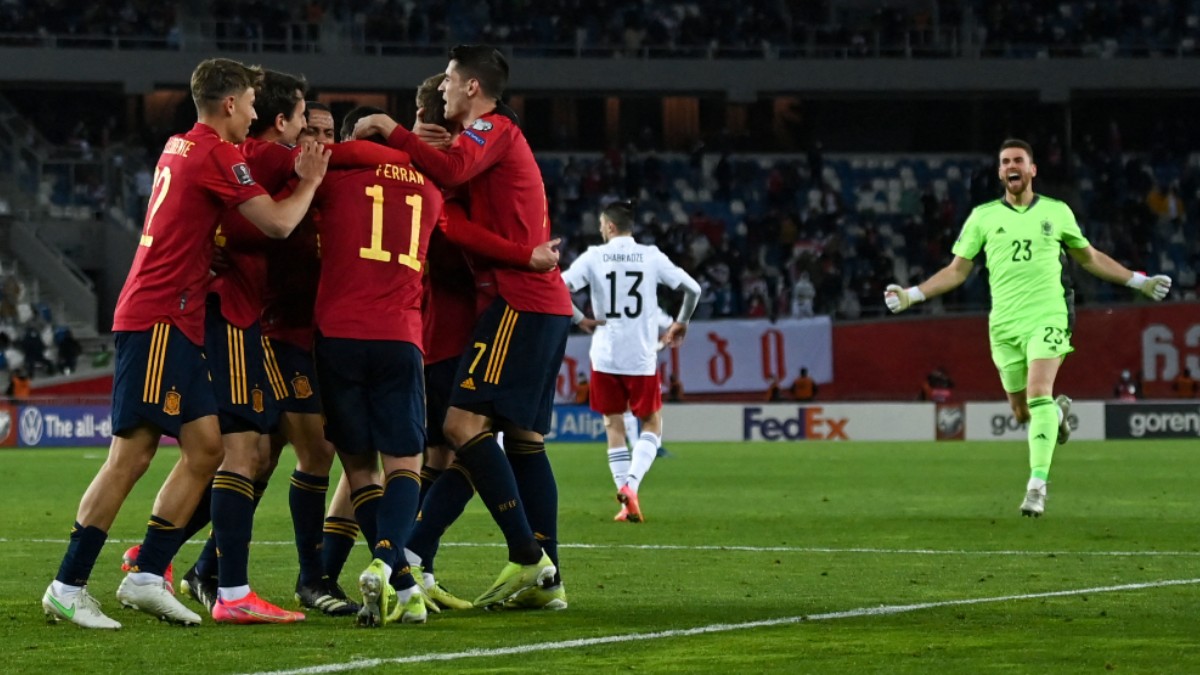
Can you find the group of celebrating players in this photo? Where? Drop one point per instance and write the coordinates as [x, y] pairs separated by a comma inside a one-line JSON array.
[[287, 288]]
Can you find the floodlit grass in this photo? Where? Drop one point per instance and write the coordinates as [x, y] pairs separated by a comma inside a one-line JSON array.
[[737, 533]]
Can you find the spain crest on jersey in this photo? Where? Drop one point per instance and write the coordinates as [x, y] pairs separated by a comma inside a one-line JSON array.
[[256, 397], [1047, 228], [301, 386], [173, 404]]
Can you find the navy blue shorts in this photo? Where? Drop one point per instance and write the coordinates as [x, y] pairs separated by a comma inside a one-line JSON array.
[[293, 376], [161, 379], [239, 380], [509, 369], [439, 382], [373, 393]]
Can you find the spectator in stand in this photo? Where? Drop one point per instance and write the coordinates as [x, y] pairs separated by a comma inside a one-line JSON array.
[[774, 390], [1127, 388], [938, 386], [69, 350], [1186, 384], [804, 388], [803, 294], [18, 386], [34, 349]]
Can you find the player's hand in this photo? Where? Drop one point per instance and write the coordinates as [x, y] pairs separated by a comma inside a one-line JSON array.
[[589, 325], [378, 123], [545, 256], [1156, 287], [220, 262], [432, 134], [313, 161], [899, 299], [674, 335]]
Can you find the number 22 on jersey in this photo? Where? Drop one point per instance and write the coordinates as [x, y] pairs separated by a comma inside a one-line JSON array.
[[376, 251], [162, 184]]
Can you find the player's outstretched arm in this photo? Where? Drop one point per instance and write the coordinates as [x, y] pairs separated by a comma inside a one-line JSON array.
[[277, 219], [1104, 267], [897, 298]]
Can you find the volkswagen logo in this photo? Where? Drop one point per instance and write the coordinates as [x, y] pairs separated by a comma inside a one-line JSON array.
[[31, 426]]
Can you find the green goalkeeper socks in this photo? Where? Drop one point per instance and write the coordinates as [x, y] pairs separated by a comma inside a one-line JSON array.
[[1043, 434]]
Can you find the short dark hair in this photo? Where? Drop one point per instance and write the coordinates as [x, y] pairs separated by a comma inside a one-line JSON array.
[[315, 105], [277, 95], [485, 64], [214, 79], [354, 116], [1017, 143], [431, 103], [620, 214]]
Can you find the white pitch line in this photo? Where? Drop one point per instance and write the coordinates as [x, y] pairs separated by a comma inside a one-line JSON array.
[[884, 610], [740, 549]]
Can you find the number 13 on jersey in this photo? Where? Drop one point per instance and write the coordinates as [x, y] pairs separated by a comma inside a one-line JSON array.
[[376, 251]]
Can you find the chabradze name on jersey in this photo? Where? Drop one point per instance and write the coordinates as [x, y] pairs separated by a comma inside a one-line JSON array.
[[623, 257]]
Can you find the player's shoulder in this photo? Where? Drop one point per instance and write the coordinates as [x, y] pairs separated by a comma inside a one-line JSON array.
[[1052, 203], [988, 207]]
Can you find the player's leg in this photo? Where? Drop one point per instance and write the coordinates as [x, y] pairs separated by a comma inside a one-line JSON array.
[[144, 588], [309, 484], [609, 398], [445, 501], [1013, 368], [619, 457], [645, 399], [176, 396], [67, 597], [341, 529], [447, 492], [293, 378], [544, 338], [630, 423], [520, 391]]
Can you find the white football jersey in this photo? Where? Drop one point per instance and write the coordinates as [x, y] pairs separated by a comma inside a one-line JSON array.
[[623, 276]]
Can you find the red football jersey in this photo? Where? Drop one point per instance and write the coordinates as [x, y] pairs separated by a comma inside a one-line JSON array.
[[293, 271], [375, 227], [241, 284], [198, 177], [506, 194], [448, 300]]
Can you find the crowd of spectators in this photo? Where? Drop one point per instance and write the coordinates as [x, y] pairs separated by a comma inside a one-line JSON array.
[[628, 27], [794, 245], [31, 345]]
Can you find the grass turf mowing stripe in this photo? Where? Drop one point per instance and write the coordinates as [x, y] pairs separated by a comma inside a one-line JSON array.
[[884, 610], [729, 547]]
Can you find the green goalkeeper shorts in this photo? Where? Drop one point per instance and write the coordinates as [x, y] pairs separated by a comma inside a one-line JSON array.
[[1012, 356]]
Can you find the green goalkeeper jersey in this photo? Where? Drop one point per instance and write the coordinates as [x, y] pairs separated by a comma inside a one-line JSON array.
[[1023, 249]]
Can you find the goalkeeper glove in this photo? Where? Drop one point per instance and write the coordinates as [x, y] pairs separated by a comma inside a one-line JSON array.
[[1155, 287], [899, 299]]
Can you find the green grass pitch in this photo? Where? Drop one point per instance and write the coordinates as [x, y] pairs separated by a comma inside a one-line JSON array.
[[736, 533]]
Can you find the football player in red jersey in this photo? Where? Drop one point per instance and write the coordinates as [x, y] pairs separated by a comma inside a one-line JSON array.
[[241, 376], [523, 309], [161, 382], [375, 226]]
